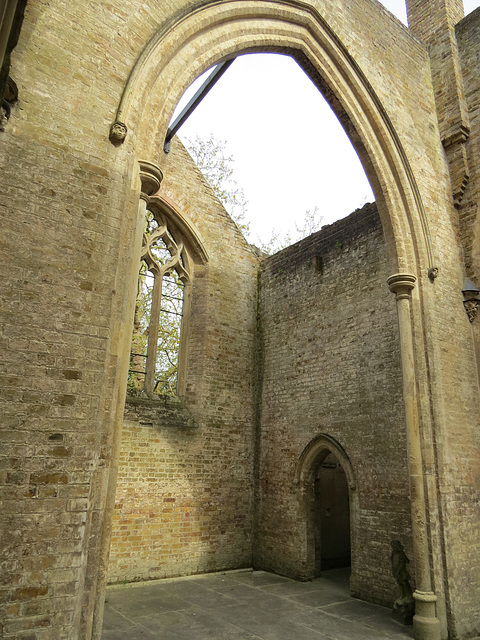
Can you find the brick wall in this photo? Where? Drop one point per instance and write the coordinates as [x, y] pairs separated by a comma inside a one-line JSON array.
[[462, 444], [468, 33], [331, 366], [69, 202], [184, 501]]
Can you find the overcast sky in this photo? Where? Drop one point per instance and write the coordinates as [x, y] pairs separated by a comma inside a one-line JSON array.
[[290, 153]]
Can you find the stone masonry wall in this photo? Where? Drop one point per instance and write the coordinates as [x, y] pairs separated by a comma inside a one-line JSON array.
[[184, 500], [331, 366], [468, 35], [69, 203], [462, 531]]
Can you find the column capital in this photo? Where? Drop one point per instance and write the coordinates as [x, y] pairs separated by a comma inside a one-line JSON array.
[[151, 178], [401, 284]]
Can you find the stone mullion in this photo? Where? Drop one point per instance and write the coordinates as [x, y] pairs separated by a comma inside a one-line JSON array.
[[139, 342], [184, 331], [151, 177], [426, 625], [153, 331]]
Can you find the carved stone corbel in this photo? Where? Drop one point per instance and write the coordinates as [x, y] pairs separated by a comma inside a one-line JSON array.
[[471, 307], [151, 177]]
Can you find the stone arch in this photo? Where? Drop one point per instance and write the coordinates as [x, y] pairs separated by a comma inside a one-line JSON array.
[[323, 443], [180, 222], [313, 455], [213, 32]]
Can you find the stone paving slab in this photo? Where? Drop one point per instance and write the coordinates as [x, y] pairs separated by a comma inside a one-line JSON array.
[[245, 605]]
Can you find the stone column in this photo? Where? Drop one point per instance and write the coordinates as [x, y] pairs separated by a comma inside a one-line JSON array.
[[150, 177], [426, 626], [7, 15]]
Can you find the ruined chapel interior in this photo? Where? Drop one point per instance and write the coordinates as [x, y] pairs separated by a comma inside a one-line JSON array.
[[326, 398]]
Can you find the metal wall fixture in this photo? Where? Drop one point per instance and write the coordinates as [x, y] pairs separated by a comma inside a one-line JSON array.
[[212, 79]]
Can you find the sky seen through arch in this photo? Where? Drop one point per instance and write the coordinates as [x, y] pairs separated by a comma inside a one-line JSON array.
[[290, 151]]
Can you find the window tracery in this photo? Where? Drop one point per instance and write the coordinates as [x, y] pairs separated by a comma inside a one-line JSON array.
[[163, 291]]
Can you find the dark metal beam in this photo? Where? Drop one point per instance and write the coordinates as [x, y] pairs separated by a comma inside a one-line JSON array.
[[216, 74]]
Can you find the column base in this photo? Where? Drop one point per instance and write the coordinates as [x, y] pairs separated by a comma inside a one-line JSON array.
[[426, 628], [425, 625]]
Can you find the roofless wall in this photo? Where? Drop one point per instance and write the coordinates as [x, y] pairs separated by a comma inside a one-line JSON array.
[[72, 235]]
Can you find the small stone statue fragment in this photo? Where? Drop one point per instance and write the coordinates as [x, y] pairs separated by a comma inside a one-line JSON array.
[[404, 606], [4, 115], [118, 132]]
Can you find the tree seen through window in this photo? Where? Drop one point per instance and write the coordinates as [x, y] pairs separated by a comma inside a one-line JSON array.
[[164, 272]]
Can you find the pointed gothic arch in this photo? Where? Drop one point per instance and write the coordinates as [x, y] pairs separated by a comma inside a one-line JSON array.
[[162, 363], [214, 32], [312, 456]]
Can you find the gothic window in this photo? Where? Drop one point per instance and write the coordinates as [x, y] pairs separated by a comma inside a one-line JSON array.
[[163, 295]]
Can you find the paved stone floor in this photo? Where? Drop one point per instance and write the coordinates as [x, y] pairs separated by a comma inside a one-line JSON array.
[[245, 605]]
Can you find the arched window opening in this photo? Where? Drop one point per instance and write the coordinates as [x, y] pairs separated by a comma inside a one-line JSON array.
[[164, 277], [270, 90]]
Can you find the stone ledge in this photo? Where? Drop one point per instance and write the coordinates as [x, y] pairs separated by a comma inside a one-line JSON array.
[[159, 412]]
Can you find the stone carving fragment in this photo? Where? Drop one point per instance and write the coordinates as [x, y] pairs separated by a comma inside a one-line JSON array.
[[404, 606], [118, 132]]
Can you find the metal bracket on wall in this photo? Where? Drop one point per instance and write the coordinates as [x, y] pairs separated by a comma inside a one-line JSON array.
[[216, 74]]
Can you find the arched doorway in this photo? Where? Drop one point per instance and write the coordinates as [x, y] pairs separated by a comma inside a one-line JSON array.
[[331, 515], [328, 506]]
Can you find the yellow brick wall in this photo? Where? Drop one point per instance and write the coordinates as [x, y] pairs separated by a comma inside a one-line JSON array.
[[69, 206]]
